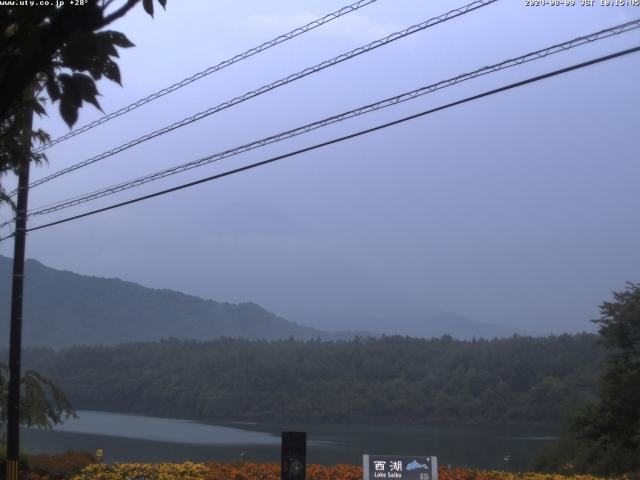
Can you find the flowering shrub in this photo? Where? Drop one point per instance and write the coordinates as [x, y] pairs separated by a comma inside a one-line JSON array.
[[271, 471], [144, 471], [467, 474], [58, 465]]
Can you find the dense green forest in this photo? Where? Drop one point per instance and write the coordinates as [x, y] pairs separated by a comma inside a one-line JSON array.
[[603, 437], [392, 378]]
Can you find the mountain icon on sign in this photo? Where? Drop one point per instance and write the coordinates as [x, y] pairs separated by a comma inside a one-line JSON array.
[[416, 466]]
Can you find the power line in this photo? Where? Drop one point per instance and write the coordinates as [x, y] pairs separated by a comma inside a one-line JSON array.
[[536, 55], [224, 64], [343, 138], [266, 88]]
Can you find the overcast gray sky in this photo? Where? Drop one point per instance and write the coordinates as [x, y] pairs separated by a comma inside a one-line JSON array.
[[519, 209]]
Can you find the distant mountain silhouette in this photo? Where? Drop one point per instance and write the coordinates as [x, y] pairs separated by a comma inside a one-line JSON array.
[[448, 323], [63, 308]]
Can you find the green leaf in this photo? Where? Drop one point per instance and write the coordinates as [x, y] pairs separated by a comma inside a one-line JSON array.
[[38, 108], [53, 89], [112, 72], [42, 136], [68, 111], [85, 84], [87, 88], [80, 47], [106, 46], [70, 90], [148, 6], [95, 68], [119, 39]]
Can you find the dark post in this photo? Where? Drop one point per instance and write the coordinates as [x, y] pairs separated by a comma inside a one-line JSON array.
[[294, 456], [15, 336]]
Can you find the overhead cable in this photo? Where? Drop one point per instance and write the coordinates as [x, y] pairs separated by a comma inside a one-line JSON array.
[[340, 139], [266, 88], [215, 68], [536, 55]]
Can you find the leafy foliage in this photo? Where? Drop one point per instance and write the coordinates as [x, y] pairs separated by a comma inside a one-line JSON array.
[[604, 436], [60, 50], [42, 403], [392, 379]]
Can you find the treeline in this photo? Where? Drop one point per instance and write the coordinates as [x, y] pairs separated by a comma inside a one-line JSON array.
[[397, 379]]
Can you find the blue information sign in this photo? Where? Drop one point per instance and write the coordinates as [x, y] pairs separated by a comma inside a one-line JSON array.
[[399, 467]]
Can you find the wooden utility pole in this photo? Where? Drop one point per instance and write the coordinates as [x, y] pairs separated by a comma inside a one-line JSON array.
[[15, 336]]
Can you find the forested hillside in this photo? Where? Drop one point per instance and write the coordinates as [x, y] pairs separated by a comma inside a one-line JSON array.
[[64, 309], [392, 378]]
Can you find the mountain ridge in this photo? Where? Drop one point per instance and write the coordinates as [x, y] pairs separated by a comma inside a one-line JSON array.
[[63, 308]]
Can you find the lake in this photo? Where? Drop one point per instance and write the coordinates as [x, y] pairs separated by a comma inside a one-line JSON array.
[[128, 438]]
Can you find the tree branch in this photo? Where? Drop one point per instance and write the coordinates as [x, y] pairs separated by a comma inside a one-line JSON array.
[[118, 13]]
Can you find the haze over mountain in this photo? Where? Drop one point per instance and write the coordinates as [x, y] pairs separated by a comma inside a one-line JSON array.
[[63, 308], [466, 209]]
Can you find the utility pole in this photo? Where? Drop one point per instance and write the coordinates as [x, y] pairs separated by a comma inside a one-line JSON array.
[[15, 336]]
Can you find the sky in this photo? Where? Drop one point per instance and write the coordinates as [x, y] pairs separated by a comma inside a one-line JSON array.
[[518, 209]]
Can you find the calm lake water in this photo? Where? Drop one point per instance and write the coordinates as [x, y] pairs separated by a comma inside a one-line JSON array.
[[149, 439]]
